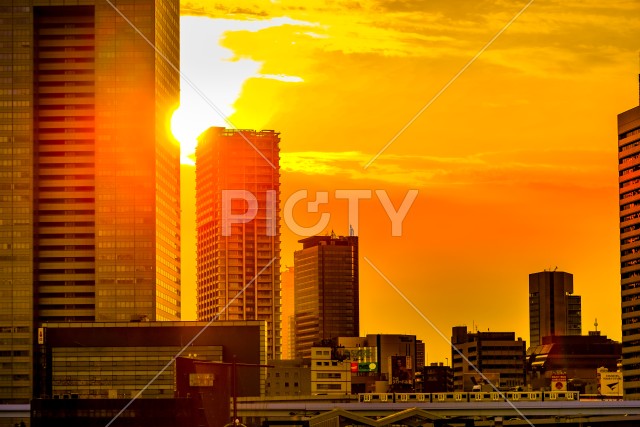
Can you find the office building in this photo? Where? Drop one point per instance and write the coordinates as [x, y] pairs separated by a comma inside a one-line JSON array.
[[118, 360], [326, 283], [553, 310], [89, 177], [629, 185], [499, 356], [288, 311], [238, 233]]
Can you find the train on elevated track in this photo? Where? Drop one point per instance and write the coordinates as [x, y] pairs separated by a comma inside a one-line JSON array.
[[459, 397]]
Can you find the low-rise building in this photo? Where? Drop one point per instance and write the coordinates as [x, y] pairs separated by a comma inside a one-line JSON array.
[[288, 378], [571, 361], [437, 378], [329, 376]]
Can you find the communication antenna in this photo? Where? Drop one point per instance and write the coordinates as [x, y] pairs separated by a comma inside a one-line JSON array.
[[596, 324]]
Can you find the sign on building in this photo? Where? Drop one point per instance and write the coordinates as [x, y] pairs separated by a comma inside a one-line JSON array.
[[611, 383], [558, 381]]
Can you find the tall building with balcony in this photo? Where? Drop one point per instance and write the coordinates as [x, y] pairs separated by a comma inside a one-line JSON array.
[[326, 291], [553, 309], [238, 232], [629, 187], [89, 173]]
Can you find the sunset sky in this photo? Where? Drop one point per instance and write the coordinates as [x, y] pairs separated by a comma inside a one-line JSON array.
[[515, 162]]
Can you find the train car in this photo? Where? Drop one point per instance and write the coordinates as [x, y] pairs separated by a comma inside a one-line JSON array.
[[449, 397], [413, 397], [551, 396], [486, 396], [375, 397], [524, 396]]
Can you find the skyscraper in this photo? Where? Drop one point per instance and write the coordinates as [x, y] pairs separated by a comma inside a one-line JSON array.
[[553, 310], [89, 177], [629, 185], [326, 287], [238, 233]]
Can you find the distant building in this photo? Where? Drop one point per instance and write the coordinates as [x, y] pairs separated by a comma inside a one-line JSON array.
[[572, 359], [437, 378], [289, 378], [238, 257], [392, 354], [497, 355], [327, 303], [420, 355], [553, 310], [629, 187], [288, 311]]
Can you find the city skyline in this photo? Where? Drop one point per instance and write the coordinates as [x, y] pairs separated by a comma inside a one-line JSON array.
[[514, 160]]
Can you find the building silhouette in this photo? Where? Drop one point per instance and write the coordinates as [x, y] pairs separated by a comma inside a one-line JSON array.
[[238, 260], [553, 310], [89, 177], [326, 287], [629, 187]]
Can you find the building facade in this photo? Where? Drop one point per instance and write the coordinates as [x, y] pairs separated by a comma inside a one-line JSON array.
[[329, 376], [288, 312], [119, 360], [326, 283], [238, 232], [288, 378], [499, 356], [576, 357], [89, 183], [553, 310], [629, 188]]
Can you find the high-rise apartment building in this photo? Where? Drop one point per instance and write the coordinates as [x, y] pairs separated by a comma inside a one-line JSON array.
[[553, 310], [89, 173], [629, 185], [326, 288], [238, 232]]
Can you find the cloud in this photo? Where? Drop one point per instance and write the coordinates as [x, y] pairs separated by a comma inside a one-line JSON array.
[[557, 167], [281, 77]]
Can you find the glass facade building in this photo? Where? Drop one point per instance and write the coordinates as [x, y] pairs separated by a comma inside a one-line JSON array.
[[326, 291], [238, 268], [89, 177], [553, 310], [629, 189]]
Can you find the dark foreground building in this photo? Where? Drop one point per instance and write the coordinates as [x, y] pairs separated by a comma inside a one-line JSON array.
[[84, 368], [576, 357], [100, 412]]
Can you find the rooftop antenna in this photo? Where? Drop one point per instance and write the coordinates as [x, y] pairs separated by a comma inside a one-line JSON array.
[[596, 324], [555, 268]]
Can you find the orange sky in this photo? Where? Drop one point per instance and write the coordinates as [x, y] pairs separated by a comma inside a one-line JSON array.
[[515, 162]]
